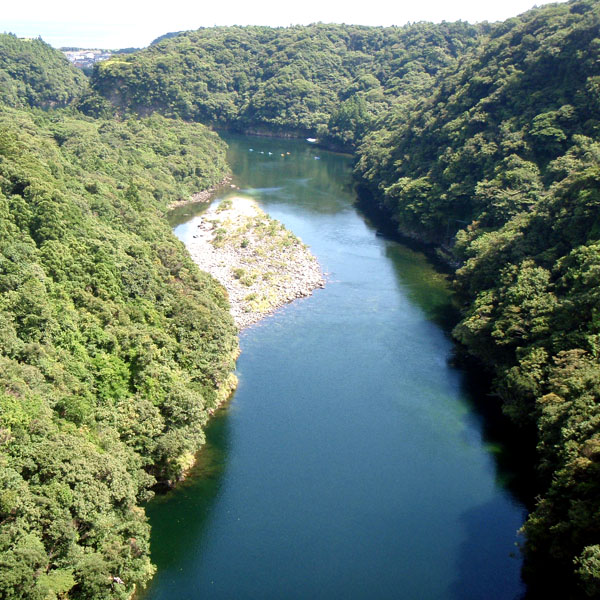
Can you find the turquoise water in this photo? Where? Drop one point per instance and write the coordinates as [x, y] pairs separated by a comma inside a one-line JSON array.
[[350, 462]]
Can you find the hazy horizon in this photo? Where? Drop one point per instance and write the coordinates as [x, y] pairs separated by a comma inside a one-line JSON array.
[[68, 23]]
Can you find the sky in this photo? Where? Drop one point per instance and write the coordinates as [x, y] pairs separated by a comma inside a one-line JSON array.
[[135, 23]]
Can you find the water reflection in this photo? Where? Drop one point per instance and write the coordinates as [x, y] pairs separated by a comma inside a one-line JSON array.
[[484, 425], [180, 519]]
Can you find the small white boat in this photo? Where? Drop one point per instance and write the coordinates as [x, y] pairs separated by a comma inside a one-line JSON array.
[[311, 140]]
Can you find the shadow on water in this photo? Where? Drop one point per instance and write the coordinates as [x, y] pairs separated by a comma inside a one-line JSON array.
[[426, 281], [513, 452], [489, 533], [387, 228], [179, 518], [425, 286], [182, 214], [411, 259], [513, 448]]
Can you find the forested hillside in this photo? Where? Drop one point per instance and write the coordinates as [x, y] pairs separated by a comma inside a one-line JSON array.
[[325, 80], [113, 346], [494, 125], [502, 168], [32, 73]]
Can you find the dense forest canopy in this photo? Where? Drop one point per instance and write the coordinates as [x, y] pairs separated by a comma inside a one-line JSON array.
[[113, 346], [326, 80], [32, 73], [494, 124], [482, 140]]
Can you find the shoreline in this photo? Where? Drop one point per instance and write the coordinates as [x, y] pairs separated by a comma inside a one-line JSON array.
[[261, 264], [203, 196]]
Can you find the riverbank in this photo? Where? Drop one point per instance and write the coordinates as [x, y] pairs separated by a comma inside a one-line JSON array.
[[204, 196], [260, 263]]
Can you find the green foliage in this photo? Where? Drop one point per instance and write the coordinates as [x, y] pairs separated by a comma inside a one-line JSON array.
[[484, 139], [32, 73], [113, 345], [330, 80]]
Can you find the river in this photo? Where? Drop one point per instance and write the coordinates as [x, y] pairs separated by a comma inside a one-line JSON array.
[[351, 462]]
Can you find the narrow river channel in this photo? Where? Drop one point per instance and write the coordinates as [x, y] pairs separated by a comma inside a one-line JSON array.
[[351, 463]]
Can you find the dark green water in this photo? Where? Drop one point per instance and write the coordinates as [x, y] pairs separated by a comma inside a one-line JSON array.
[[350, 463]]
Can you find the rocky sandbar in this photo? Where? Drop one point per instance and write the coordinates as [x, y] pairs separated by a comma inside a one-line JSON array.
[[260, 263]]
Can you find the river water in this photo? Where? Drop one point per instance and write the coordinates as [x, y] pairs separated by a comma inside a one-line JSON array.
[[351, 462]]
